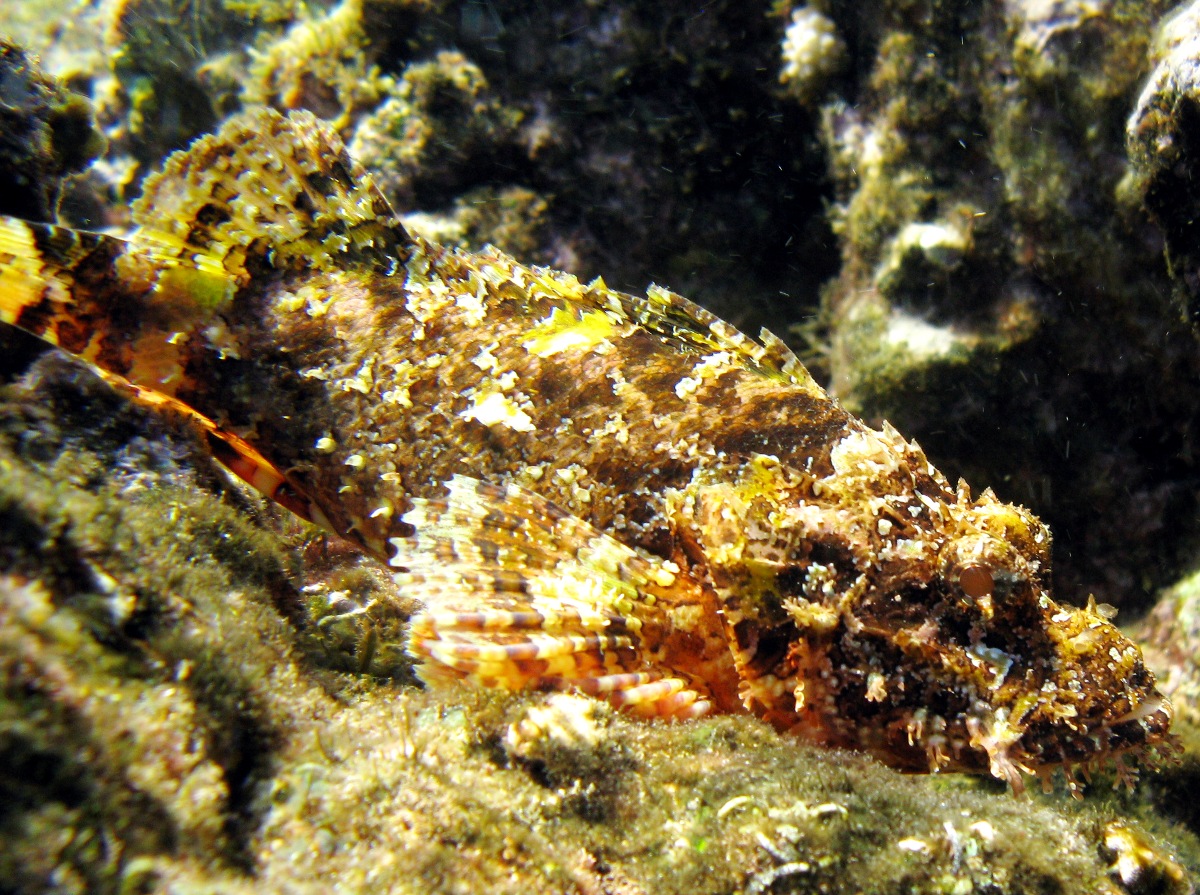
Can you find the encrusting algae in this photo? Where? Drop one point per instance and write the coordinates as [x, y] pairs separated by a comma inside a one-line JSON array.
[[587, 490]]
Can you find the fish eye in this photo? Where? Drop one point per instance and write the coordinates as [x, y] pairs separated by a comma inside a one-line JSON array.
[[976, 581]]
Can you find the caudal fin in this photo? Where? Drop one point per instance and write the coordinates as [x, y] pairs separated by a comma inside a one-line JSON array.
[[115, 303]]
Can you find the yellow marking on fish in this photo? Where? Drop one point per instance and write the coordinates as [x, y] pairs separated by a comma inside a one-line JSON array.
[[494, 408], [563, 331]]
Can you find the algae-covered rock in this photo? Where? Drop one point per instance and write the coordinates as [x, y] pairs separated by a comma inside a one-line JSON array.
[[514, 218], [1002, 296], [1163, 147], [1171, 635], [167, 92], [438, 127], [47, 132], [320, 64], [661, 143]]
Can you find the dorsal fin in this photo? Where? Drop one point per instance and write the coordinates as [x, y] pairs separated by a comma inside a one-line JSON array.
[[677, 319], [268, 191]]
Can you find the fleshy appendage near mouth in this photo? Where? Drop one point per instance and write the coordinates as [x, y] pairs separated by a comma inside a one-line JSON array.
[[1033, 746]]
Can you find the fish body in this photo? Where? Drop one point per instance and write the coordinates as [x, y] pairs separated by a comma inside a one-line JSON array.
[[588, 490]]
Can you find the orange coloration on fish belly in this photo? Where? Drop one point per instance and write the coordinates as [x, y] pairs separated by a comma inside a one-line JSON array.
[[588, 490]]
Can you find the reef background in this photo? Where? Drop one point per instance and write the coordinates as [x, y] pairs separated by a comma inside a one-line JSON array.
[[977, 221]]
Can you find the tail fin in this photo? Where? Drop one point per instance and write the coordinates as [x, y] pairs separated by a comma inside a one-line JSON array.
[[114, 303], [38, 266], [64, 286], [266, 192]]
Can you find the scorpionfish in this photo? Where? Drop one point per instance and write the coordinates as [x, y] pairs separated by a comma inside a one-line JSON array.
[[618, 495]]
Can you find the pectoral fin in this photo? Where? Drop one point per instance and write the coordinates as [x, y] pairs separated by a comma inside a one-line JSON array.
[[520, 595]]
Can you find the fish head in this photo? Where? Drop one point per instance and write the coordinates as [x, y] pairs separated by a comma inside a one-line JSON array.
[[876, 607], [1035, 685], [960, 659]]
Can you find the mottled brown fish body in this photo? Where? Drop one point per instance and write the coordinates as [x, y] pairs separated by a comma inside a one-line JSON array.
[[483, 368], [590, 490], [376, 403]]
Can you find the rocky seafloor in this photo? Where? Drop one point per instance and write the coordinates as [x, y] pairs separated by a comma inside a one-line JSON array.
[[974, 220]]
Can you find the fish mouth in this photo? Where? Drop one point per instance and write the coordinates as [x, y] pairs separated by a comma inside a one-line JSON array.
[[1146, 725], [1142, 736], [1139, 738]]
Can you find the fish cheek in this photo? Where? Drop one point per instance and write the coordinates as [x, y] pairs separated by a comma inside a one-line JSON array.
[[767, 650], [891, 698]]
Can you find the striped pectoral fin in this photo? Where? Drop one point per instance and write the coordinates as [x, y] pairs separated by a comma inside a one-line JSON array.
[[520, 595], [604, 665]]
